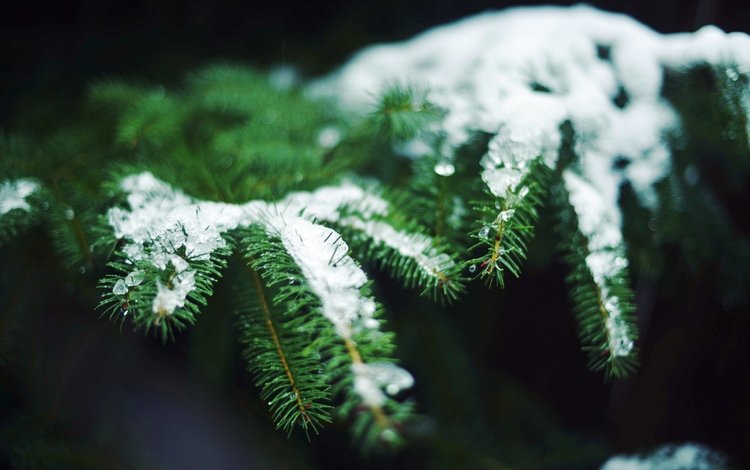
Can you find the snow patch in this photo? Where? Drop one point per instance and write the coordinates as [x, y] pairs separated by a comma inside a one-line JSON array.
[[13, 194], [670, 457], [371, 379]]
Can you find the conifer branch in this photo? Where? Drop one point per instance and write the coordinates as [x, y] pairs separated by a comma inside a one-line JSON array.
[[508, 225], [277, 344], [602, 302]]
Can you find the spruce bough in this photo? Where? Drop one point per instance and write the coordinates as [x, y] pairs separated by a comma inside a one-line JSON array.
[[168, 186]]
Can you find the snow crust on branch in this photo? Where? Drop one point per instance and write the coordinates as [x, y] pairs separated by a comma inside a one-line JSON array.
[[520, 74], [13, 194], [168, 229], [606, 258]]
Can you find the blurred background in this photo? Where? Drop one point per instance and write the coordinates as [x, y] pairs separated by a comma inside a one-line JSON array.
[[500, 378]]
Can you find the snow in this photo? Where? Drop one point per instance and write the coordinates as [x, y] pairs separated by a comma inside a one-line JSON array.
[[370, 379], [167, 229], [13, 194], [600, 224], [520, 74], [669, 457], [331, 273]]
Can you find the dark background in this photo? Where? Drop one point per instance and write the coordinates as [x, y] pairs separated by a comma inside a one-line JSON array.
[[508, 360]]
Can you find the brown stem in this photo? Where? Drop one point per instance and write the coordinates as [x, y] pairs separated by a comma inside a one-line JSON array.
[[277, 343]]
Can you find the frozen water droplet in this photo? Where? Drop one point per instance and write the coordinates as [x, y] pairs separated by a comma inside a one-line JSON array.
[[523, 192], [472, 268], [134, 278], [484, 232], [733, 75], [120, 288], [506, 215], [392, 389], [124, 313], [444, 168], [69, 214]]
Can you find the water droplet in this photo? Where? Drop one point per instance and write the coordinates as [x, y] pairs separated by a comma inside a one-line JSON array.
[[484, 232], [523, 192], [472, 268], [69, 214], [134, 278], [82, 269], [120, 288], [392, 389], [444, 168], [124, 313]]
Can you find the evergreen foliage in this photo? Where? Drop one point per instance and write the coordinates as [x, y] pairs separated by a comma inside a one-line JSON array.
[[259, 159]]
